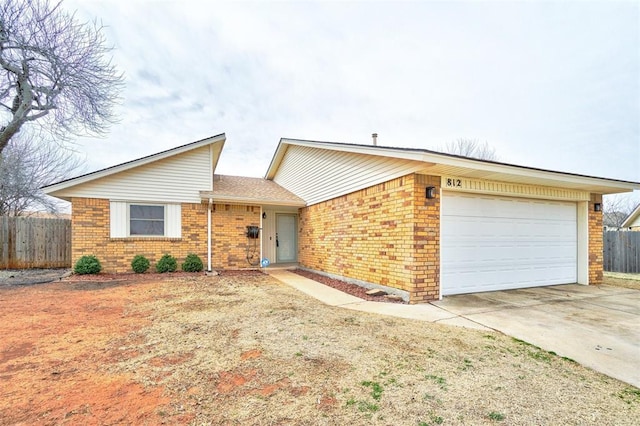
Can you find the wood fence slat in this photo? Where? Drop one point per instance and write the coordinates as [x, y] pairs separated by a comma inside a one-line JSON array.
[[621, 251], [27, 242]]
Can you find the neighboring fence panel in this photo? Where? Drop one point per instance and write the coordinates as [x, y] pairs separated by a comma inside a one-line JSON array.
[[622, 251], [27, 242]]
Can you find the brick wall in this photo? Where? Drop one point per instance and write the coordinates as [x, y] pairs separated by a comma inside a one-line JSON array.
[[90, 235], [387, 234], [229, 241], [595, 242]]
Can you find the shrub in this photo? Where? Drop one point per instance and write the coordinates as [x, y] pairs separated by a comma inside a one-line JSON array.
[[192, 263], [167, 263], [87, 265], [140, 264]]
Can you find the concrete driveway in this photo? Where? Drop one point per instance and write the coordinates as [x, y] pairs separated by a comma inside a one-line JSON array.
[[597, 326]]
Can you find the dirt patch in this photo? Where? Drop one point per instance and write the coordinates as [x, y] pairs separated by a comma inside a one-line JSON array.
[[258, 352], [345, 287], [18, 277]]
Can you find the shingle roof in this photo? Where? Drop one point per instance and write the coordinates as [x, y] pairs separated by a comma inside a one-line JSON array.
[[251, 190]]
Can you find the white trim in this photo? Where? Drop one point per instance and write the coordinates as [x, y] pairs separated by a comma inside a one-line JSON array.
[[518, 190], [218, 140], [261, 233], [209, 235], [120, 219], [229, 199], [434, 160], [164, 220], [628, 222]]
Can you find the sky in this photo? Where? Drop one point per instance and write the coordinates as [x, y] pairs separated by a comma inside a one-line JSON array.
[[554, 85]]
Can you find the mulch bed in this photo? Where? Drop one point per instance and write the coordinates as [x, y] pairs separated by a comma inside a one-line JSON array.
[[352, 289], [151, 276]]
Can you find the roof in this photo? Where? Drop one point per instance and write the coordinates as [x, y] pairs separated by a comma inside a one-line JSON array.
[[635, 214], [217, 141], [247, 190], [439, 164]]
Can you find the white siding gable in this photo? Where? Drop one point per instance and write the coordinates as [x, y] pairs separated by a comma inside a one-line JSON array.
[[175, 179], [316, 175]]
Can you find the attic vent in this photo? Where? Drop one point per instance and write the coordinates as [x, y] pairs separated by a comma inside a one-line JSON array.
[[375, 138]]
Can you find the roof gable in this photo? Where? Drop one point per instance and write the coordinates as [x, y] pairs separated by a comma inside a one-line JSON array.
[[287, 170], [201, 156], [633, 219]]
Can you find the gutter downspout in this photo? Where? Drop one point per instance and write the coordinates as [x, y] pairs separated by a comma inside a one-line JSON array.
[[209, 235], [261, 256]]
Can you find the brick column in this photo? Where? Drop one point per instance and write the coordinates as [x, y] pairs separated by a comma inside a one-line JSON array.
[[595, 241]]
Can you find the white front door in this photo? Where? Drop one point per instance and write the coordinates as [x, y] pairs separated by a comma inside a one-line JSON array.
[[286, 238], [497, 243]]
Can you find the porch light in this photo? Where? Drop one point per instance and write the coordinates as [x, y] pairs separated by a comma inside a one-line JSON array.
[[597, 207], [430, 192], [264, 215]]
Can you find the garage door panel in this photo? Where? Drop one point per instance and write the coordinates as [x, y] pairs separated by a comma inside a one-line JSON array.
[[495, 243]]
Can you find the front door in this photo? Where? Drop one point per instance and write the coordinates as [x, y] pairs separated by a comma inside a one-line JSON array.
[[286, 238]]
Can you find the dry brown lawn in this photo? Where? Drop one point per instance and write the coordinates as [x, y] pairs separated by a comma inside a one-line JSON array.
[[247, 350]]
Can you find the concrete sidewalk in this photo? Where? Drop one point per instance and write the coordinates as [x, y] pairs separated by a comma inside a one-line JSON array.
[[597, 326], [330, 296]]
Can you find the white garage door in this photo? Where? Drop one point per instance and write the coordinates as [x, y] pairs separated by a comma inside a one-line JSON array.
[[496, 243]]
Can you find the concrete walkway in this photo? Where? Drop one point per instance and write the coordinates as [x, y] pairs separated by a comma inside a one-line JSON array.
[[333, 297], [598, 327]]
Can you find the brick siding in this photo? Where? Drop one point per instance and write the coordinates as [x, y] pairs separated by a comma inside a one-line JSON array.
[[91, 225], [229, 241], [387, 234], [595, 242]]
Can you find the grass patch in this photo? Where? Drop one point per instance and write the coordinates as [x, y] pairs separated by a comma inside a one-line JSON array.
[[630, 395], [495, 416], [440, 381], [376, 389]]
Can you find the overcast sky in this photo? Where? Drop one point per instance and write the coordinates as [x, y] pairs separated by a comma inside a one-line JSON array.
[[554, 85]]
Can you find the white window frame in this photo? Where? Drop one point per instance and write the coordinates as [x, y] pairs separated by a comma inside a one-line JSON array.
[[164, 220]]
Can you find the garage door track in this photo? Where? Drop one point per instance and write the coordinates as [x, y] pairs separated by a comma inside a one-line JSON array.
[[597, 326]]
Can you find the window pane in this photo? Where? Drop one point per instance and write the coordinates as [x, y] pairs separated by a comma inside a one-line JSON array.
[[146, 212], [146, 227]]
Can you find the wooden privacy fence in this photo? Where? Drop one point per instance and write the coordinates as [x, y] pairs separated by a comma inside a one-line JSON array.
[[27, 242], [622, 251]]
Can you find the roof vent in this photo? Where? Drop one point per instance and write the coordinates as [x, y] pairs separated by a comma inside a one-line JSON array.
[[375, 138]]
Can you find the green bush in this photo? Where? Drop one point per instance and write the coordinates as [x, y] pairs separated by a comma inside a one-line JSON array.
[[192, 263], [167, 263], [140, 264], [87, 265]]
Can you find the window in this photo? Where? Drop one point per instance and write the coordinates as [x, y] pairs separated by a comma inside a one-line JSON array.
[[139, 219], [146, 220]]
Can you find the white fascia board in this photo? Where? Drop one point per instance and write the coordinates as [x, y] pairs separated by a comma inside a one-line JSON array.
[[433, 158], [227, 199], [218, 140]]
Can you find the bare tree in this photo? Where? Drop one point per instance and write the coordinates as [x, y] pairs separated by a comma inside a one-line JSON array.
[[616, 208], [471, 148], [56, 71], [25, 167]]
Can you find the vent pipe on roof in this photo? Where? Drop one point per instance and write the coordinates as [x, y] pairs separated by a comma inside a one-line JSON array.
[[375, 138]]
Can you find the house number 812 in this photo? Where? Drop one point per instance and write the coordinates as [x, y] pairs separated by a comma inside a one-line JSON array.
[[454, 183]]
